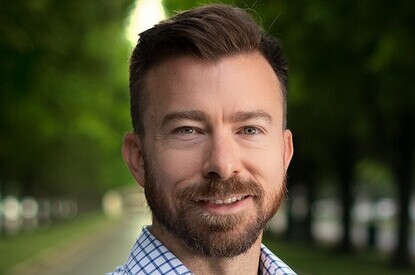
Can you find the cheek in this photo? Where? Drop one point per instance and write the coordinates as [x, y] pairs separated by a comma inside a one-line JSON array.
[[274, 181], [173, 172], [268, 168], [176, 167], [266, 163]]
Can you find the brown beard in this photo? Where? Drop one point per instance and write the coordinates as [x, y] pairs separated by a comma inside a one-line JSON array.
[[206, 233]]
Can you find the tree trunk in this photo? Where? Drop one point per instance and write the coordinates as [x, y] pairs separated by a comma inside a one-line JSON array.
[[404, 176], [311, 198], [346, 172]]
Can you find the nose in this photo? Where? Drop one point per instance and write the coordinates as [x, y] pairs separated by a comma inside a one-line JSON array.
[[222, 159]]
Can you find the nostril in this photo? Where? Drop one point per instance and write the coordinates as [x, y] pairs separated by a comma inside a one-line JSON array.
[[213, 176]]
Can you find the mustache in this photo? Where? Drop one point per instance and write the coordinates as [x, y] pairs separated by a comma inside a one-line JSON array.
[[221, 188]]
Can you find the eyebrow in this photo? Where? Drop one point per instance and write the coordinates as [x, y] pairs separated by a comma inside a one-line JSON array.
[[244, 116], [201, 116], [190, 115]]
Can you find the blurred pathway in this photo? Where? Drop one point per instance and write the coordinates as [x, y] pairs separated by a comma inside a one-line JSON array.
[[96, 253], [108, 252]]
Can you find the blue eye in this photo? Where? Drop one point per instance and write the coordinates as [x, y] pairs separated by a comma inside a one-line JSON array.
[[250, 130], [185, 130]]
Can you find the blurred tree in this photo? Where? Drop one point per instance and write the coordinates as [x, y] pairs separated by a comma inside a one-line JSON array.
[[351, 72], [64, 99]]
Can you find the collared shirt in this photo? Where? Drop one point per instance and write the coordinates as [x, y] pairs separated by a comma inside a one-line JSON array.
[[150, 256]]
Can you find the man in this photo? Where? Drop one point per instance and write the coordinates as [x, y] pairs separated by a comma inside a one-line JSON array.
[[210, 145]]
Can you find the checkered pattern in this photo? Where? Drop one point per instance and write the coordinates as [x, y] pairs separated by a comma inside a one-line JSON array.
[[150, 256], [269, 264]]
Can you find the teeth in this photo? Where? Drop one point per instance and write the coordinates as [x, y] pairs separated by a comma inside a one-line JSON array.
[[225, 201], [228, 200]]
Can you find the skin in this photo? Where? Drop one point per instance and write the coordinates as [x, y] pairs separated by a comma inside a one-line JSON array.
[[205, 119]]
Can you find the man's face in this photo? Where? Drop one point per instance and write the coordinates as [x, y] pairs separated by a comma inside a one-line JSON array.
[[214, 153]]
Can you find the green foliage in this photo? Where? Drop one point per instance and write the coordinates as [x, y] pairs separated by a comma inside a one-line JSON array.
[[374, 178], [64, 98]]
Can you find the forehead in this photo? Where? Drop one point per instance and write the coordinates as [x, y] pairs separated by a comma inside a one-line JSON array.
[[234, 83]]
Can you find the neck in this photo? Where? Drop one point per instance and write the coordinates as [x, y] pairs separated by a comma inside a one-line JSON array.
[[246, 263]]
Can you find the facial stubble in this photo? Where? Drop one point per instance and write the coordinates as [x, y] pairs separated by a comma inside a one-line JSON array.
[[206, 233]]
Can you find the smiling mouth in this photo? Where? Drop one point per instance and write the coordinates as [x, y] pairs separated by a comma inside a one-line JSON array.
[[224, 201]]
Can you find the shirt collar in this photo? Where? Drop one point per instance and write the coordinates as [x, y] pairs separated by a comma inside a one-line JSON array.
[[150, 256]]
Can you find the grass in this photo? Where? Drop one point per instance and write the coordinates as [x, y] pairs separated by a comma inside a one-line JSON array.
[[317, 260], [28, 245]]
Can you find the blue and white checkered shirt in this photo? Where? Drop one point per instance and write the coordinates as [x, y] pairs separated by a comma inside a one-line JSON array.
[[150, 256]]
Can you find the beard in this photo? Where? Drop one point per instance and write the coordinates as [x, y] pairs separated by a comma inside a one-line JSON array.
[[209, 234]]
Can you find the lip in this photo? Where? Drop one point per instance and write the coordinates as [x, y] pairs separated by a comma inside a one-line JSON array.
[[231, 204], [226, 200]]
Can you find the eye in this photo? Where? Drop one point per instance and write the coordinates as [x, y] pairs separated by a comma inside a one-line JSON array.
[[185, 130], [250, 130]]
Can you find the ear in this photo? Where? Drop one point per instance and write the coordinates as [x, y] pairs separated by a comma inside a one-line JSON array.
[[288, 148], [132, 153]]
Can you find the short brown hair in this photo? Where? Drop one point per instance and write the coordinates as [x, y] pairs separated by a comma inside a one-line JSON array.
[[208, 32]]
